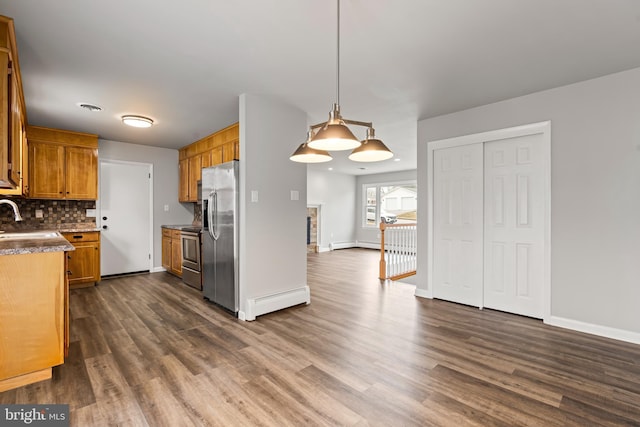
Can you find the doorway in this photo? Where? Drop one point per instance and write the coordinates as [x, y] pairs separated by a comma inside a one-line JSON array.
[[312, 229], [125, 217], [489, 220]]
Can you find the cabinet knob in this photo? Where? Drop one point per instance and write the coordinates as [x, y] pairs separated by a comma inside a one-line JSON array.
[[68, 256], [69, 272], [104, 227]]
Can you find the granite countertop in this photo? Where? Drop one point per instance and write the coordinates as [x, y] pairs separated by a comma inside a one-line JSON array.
[[29, 245], [182, 226]]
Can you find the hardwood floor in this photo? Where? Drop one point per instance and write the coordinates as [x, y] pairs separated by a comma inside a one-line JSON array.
[[147, 350]]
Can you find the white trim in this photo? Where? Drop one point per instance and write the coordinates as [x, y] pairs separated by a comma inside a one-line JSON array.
[[152, 268], [274, 302], [421, 293], [543, 128], [324, 249], [158, 269], [590, 328], [368, 245], [342, 245]]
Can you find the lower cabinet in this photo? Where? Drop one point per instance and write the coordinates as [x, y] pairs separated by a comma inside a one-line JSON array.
[[172, 251], [33, 317], [83, 269]]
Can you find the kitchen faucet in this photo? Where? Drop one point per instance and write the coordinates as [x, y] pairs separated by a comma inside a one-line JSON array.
[[16, 212]]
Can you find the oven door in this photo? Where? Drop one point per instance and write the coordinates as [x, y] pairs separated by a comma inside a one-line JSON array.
[[191, 251]]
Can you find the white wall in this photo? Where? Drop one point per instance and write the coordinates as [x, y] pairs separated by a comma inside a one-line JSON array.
[[336, 195], [165, 185], [273, 245], [367, 234], [595, 194]]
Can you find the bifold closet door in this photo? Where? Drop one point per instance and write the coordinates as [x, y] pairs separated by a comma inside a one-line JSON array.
[[458, 224], [514, 225]]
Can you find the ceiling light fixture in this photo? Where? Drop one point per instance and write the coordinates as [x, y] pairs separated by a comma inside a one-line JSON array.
[[306, 154], [334, 135], [137, 121]]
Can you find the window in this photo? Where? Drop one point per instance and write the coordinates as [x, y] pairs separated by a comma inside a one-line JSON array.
[[396, 203]]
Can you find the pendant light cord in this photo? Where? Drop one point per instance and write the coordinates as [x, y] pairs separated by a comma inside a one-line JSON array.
[[338, 58]]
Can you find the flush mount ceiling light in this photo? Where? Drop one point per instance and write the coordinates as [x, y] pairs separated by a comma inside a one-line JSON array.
[[137, 121], [306, 154], [334, 135]]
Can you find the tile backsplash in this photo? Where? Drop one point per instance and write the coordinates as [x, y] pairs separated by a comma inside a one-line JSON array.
[[56, 214]]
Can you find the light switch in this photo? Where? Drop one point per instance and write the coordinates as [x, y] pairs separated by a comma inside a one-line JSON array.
[[91, 213], [295, 195], [254, 196]]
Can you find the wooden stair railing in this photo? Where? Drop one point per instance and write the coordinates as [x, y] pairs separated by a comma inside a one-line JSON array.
[[397, 250]]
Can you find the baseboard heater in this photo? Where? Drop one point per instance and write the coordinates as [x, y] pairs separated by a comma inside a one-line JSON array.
[[274, 302]]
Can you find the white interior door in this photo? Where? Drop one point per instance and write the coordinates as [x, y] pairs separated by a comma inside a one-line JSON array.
[[514, 225], [458, 224], [125, 217]]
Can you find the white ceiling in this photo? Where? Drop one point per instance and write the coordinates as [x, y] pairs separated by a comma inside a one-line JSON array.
[[184, 63]]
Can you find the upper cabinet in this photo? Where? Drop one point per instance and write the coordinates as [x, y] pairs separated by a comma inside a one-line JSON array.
[[62, 164], [13, 155], [219, 147]]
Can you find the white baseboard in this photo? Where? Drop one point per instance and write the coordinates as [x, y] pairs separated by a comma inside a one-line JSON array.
[[269, 303], [589, 328], [158, 269], [324, 249], [342, 245], [423, 293], [368, 245]]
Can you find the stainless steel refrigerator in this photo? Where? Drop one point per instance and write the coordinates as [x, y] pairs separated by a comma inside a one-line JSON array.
[[220, 204]]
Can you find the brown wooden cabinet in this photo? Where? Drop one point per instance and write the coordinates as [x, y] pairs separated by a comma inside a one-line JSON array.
[[83, 267], [12, 115], [32, 317], [62, 164], [172, 251], [219, 147]]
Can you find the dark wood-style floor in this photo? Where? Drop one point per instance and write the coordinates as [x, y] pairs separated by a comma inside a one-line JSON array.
[[147, 350]]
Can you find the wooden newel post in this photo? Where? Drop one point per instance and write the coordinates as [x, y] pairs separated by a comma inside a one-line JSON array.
[[383, 262]]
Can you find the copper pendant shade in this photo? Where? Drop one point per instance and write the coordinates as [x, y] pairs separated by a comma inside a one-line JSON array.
[[306, 154], [371, 150]]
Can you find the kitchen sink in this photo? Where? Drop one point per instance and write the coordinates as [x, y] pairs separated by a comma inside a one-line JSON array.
[[39, 235]]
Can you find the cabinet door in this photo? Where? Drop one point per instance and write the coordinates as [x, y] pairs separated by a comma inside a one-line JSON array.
[[84, 263], [166, 253], [229, 151], [216, 156], [46, 171], [183, 189], [15, 131], [206, 160], [5, 115], [195, 173], [81, 173], [176, 256]]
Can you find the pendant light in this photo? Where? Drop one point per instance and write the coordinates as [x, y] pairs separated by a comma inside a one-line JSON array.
[[371, 150], [334, 135], [306, 154]]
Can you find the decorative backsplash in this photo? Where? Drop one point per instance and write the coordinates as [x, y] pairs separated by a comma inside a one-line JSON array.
[[56, 214]]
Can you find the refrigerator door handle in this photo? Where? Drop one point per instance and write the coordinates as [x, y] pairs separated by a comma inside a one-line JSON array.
[[210, 214], [214, 233]]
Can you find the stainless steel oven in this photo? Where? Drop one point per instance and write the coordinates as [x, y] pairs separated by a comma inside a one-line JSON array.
[[191, 262]]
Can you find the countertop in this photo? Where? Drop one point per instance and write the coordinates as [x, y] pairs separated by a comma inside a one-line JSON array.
[[185, 227], [30, 246]]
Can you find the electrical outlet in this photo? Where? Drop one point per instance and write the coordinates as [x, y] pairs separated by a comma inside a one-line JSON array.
[[166, 208], [91, 213], [39, 213]]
